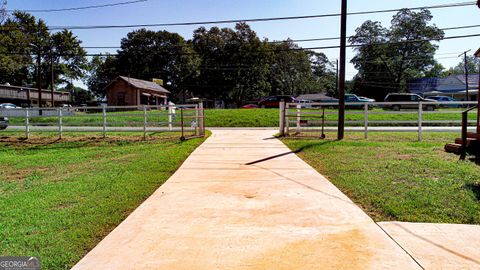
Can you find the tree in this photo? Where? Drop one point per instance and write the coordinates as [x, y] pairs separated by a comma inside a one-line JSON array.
[[102, 69], [234, 63], [290, 69], [25, 41], [147, 54], [387, 58], [68, 57], [3, 10], [473, 64], [81, 96]]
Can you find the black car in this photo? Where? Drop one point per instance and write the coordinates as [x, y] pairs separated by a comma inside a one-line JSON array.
[[3, 122], [430, 104]]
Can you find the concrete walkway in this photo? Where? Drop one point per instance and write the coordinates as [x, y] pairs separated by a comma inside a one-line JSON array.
[[242, 200], [438, 246]]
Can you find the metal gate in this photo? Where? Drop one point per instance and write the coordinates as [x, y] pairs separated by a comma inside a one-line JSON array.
[[302, 120]]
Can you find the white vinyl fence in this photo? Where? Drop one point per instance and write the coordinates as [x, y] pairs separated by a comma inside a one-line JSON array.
[[188, 119], [313, 119]]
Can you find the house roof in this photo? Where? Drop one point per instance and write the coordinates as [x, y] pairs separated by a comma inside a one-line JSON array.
[[315, 97], [142, 84], [450, 84]]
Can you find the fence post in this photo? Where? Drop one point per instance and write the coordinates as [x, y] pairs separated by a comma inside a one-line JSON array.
[[281, 130], [299, 108], [366, 120], [170, 116], [144, 122], [60, 123], [287, 120], [420, 116], [27, 123], [201, 119], [104, 121], [197, 122]]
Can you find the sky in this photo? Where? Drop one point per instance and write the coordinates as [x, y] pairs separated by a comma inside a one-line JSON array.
[[170, 11]]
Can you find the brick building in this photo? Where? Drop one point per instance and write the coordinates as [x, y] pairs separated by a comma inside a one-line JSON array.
[[125, 91]]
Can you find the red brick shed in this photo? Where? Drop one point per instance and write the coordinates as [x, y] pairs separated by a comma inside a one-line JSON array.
[[125, 91]]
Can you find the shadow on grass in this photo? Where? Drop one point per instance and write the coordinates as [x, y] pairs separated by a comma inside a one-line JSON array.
[[475, 188]]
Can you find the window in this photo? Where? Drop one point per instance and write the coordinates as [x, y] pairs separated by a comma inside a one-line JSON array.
[[415, 98]]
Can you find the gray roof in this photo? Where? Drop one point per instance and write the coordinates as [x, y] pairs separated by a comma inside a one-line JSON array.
[[142, 84], [316, 97]]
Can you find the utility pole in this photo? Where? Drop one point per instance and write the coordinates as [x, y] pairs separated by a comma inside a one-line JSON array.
[[467, 97], [341, 82]]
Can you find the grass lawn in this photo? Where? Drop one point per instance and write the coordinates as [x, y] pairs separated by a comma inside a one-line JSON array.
[[393, 177], [244, 118], [60, 198]]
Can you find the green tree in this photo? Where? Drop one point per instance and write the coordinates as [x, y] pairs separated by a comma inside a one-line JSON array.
[[3, 10], [147, 54], [24, 40], [473, 64], [101, 70], [234, 63], [387, 58]]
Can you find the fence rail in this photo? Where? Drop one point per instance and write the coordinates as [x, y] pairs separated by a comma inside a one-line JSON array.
[[186, 119], [312, 119]]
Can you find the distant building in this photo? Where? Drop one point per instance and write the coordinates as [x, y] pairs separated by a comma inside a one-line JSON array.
[[125, 91], [453, 85], [20, 95], [319, 97]]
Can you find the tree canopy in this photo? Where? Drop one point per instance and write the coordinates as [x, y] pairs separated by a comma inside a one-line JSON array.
[[24, 40], [233, 65], [386, 58]]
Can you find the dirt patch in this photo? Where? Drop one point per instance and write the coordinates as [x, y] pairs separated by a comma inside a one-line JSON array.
[[87, 140], [336, 251], [14, 175]]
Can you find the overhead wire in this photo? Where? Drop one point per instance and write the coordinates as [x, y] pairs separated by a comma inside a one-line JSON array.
[[79, 8], [89, 27]]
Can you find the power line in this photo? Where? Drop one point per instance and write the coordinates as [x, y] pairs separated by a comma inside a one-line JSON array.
[[314, 48], [295, 40], [88, 27], [80, 8]]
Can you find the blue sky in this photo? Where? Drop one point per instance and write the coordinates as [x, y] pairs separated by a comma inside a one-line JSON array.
[[167, 11]]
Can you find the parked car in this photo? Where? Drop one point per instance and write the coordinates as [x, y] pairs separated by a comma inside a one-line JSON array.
[[8, 106], [305, 103], [409, 97], [366, 98], [352, 98], [446, 99], [274, 101], [249, 106]]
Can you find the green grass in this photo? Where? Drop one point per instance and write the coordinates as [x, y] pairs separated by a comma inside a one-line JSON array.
[[60, 198], [244, 118], [393, 177]]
